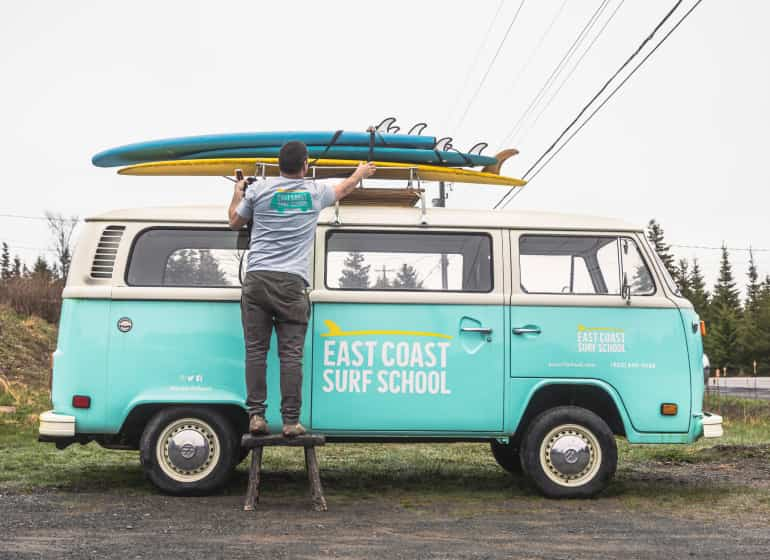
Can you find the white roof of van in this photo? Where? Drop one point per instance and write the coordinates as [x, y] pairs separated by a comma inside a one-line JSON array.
[[382, 215]]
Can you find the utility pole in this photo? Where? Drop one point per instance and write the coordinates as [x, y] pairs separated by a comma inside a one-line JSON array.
[[441, 203]]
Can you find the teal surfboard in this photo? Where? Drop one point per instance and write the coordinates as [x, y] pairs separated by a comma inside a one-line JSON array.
[[176, 148], [379, 153]]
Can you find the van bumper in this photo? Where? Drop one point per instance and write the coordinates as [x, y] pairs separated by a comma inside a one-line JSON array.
[[53, 425], [712, 425]]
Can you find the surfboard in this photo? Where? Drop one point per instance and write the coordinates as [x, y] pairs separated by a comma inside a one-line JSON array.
[[323, 168], [379, 153], [174, 148]]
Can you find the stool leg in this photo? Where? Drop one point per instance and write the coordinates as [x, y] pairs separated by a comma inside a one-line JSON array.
[[316, 490], [252, 493]]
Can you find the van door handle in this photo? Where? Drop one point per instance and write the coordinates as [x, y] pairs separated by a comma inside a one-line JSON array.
[[526, 330], [480, 330]]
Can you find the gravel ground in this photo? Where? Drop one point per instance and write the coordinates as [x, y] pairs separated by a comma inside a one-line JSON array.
[[627, 522]]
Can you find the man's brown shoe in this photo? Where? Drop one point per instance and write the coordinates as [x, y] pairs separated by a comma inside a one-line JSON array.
[[258, 426], [293, 430]]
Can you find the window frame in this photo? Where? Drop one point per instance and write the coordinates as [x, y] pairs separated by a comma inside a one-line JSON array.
[[240, 233], [390, 231], [616, 237], [642, 256]]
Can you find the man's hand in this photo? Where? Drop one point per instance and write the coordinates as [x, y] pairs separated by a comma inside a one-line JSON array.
[[235, 219], [364, 170]]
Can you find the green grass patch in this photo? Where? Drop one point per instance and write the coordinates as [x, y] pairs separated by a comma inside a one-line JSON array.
[[463, 475]]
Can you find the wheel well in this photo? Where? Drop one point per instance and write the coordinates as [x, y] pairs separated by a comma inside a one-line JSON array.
[[595, 399], [137, 419]]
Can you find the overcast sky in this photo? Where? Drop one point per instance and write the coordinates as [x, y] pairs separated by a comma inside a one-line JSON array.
[[684, 141]]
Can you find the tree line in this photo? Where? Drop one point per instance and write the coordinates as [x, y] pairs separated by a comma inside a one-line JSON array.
[[37, 290], [738, 328]]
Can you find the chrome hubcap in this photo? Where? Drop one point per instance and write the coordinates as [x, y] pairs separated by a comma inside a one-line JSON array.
[[570, 455], [188, 450]]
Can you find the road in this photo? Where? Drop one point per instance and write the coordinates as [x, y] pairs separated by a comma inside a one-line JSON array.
[[746, 387]]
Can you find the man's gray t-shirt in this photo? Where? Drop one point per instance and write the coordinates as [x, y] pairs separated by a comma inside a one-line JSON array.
[[285, 214]]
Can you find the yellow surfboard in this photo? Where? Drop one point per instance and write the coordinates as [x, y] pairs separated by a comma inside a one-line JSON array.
[[321, 169]]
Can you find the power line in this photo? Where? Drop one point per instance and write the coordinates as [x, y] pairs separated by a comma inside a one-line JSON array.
[[707, 248], [574, 68], [43, 218], [610, 96], [601, 90], [475, 59], [491, 64], [555, 72], [535, 50]]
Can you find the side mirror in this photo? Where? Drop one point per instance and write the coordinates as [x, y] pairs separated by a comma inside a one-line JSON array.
[[625, 290]]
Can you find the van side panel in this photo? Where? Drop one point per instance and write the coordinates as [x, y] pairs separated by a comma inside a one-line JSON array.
[[640, 352], [691, 325], [188, 352], [80, 362]]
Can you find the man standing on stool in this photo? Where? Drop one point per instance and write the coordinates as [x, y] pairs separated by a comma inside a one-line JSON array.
[[284, 211]]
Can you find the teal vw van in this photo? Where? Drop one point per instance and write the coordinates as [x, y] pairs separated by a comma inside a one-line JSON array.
[[546, 335]]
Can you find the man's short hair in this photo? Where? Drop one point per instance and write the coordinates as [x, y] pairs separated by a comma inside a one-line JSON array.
[[292, 157]]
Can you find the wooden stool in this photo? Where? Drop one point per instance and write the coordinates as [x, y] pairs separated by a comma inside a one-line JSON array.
[[308, 441]]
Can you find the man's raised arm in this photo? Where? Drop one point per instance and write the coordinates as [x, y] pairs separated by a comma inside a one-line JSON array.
[[345, 187]]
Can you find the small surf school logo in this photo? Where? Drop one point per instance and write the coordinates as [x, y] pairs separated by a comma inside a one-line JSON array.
[[292, 200], [600, 339], [387, 361]]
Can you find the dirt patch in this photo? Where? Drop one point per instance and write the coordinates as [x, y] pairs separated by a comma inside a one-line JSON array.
[[707, 509]]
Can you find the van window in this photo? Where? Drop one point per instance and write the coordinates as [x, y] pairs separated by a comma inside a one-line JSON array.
[[408, 261], [564, 264], [636, 270], [186, 258]]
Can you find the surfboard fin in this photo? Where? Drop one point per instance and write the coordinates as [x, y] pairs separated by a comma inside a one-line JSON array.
[[501, 158]]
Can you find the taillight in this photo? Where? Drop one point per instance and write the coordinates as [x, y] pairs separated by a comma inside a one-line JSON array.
[[81, 401], [703, 328]]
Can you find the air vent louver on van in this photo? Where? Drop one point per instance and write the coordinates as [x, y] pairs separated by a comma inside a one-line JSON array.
[[106, 250]]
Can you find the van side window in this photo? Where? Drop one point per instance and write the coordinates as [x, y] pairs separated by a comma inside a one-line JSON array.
[[635, 269], [192, 258], [564, 264], [408, 261]]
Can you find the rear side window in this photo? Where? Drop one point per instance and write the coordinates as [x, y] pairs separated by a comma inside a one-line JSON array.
[[193, 258], [408, 261]]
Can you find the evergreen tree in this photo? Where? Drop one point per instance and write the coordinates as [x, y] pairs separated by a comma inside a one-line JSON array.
[[406, 278], [16, 269], [655, 235], [762, 333], [181, 268], [355, 273], [725, 317], [699, 296], [753, 288], [5, 262], [682, 279], [41, 269], [209, 273], [752, 337]]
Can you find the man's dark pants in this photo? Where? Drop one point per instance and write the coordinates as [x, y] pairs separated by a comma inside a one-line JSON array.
[[274, 298]]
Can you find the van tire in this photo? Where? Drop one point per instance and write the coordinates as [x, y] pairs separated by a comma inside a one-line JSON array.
[[569, 452], [198, 455], [507, 455]]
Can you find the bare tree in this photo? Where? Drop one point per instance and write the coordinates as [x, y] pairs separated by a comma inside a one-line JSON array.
[[61, 229]]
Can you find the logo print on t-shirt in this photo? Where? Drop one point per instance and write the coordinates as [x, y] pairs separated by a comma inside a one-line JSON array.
[[292, 200]]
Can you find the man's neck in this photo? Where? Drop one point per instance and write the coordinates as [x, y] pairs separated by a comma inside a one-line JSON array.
[[293, 176]]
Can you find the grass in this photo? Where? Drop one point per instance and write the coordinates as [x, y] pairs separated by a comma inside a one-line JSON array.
[[418, 475]]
